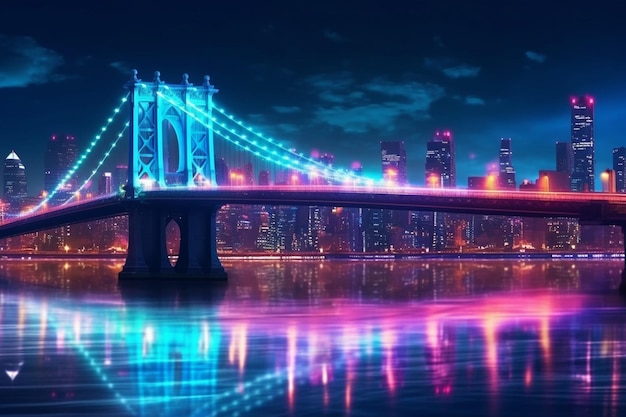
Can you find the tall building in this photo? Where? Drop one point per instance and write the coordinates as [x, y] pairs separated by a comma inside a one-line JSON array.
[[506, 175], [60, 157], [619, 168], [105, 184], [14, 178], [120, 177], [564, 157], [393, 158], [583, 168], [264, 177], [440, 169]]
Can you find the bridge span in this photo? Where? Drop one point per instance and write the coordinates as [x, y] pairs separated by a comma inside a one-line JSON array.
[[194, 210]]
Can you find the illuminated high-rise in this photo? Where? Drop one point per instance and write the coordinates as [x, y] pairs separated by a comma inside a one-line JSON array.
[[105, 184], [583, 168], [393, 158], [440, 168], [619, 168], [60, 157], [14, 178], [506, 175]]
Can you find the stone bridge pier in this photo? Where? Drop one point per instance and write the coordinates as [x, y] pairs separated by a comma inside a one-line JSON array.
[[147, 245]]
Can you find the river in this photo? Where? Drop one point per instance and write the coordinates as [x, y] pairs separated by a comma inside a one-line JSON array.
[[315, 337]]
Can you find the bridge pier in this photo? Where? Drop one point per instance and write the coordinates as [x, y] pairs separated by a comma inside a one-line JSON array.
[[147, 253]]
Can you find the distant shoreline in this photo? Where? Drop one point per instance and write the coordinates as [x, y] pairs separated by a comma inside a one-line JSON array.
[[425, 256], [343, 256]]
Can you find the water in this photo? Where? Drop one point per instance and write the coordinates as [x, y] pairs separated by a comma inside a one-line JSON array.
[[336, 338]]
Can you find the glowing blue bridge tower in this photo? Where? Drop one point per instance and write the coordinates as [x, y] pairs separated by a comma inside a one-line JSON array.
[[170, 147]]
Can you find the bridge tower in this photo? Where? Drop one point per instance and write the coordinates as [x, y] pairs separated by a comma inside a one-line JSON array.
[[169, 120], [171, 144]]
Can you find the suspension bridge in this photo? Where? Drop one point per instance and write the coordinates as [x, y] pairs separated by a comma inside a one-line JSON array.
[[187, 157]]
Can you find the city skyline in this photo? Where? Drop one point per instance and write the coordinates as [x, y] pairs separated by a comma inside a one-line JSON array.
[[324, 79]]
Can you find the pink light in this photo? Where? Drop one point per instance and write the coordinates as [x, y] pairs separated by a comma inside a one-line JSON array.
[[573, 101], [590, 100]]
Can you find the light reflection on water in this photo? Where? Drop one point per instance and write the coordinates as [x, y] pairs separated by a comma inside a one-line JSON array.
[[297, 338]]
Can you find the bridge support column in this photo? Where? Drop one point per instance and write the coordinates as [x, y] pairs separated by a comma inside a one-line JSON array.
[[198, 249], [147, 255]]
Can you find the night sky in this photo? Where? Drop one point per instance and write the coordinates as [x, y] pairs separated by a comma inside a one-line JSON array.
[[335, 76]]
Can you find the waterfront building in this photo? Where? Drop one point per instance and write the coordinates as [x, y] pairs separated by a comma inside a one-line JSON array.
[[583, 147], [393, 159], [14, 175], [506, 175], [551, 181], [564, 157], [60, 156], [619, 168], [105, 184], [440, 167], [120, 176]]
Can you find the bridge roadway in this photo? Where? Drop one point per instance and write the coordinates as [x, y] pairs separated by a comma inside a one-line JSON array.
[[589, 208], [194, 210]]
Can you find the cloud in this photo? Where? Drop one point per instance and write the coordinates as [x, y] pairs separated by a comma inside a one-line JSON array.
[[288, 127], [535, 56], [337, 80], [474, 101], [461, 71], [451, 68], [287, 109], [121, 67], [333, 36], [25, 62], [376, 104]]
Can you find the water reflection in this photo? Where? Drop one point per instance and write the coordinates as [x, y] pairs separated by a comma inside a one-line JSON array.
[[333, 338]]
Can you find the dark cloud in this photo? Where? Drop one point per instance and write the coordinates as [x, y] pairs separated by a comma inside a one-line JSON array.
[[121, 67], [373, 105], [461, 71], [451, 68], [535, 56], [474, 101], [24, 62], [287, 109], [333, 36]]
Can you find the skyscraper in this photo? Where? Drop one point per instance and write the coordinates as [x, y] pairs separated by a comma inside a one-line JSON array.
[[619, 168], [564, 157], [60, 156], [14, 178], [105, 184], [440, 169], [506, 175], [583, 169], [393, 158]]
